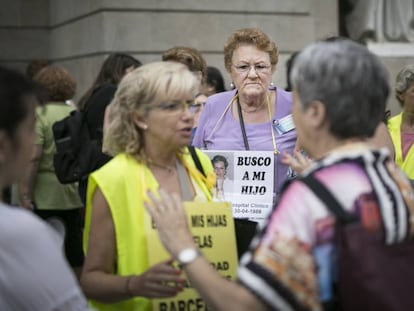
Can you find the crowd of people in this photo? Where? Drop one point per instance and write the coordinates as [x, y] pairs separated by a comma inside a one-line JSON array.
[[152, 122]]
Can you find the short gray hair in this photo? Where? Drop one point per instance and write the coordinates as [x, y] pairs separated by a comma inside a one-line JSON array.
[[349, 80], [404, 78]]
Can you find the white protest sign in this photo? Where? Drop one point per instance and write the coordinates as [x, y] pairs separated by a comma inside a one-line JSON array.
[[246, 180]]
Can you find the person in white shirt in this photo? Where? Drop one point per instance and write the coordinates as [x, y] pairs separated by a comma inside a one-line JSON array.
[[34, 274]]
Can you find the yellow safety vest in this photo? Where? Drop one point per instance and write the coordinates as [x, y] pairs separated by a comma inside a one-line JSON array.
[[124, 182], [407, 165]]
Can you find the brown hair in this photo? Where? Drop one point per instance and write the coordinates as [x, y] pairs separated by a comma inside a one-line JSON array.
[[57, 82], [111, 72], [250, 36], [188, 56], [35, 66]]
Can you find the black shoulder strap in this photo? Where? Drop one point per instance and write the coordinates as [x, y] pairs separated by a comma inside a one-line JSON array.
[[330, 201], [196, 160], [242, 127], [83, 134]]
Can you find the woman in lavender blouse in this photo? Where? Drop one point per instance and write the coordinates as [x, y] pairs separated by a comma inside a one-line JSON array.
[[255, 115]]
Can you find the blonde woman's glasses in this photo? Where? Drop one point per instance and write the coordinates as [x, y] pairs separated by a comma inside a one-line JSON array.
[[180, 106], [258, 68]]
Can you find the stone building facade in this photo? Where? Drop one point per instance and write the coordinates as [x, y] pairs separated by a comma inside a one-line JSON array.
[[79, 34]]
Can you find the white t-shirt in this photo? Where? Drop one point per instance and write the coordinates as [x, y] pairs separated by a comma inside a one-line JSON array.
[[33, 272]]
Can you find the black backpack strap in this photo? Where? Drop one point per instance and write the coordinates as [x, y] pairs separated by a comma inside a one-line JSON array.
[[84, 134], [85, 126], [196, 160], [326, 196]]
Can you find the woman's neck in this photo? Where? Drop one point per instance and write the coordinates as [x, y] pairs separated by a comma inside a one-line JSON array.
[[408, 118], [161, 156], [253, 104], [330, 144]]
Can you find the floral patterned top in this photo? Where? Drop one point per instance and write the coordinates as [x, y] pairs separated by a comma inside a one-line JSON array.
[[291, 263]]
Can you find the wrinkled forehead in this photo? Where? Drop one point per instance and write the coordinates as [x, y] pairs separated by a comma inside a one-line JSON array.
[[249, 53]]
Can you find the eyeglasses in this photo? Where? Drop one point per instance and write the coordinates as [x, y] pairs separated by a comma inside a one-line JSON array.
[[180, 106], [245, 68]]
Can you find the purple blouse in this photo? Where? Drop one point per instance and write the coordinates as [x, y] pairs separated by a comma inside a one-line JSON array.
[[214, 133]]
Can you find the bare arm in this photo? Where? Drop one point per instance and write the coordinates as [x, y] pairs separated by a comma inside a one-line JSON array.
[[26, 185], [99, 280], [169, 216]]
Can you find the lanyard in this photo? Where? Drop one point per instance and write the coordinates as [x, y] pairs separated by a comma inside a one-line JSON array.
[[243, 129]]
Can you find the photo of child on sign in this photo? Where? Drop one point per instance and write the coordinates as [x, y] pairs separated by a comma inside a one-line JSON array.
[[223, 167]]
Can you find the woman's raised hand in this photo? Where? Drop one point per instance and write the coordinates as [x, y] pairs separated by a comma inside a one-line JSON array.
[[298, 162], [169, 216]]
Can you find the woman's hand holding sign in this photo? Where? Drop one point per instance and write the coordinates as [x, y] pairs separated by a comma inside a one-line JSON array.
[[160, 281]]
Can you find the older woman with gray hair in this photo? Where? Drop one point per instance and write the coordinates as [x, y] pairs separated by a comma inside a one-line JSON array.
[[340, 91], [401, 126]]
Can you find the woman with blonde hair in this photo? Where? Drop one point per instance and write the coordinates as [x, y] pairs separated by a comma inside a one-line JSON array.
[[151, 118]]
